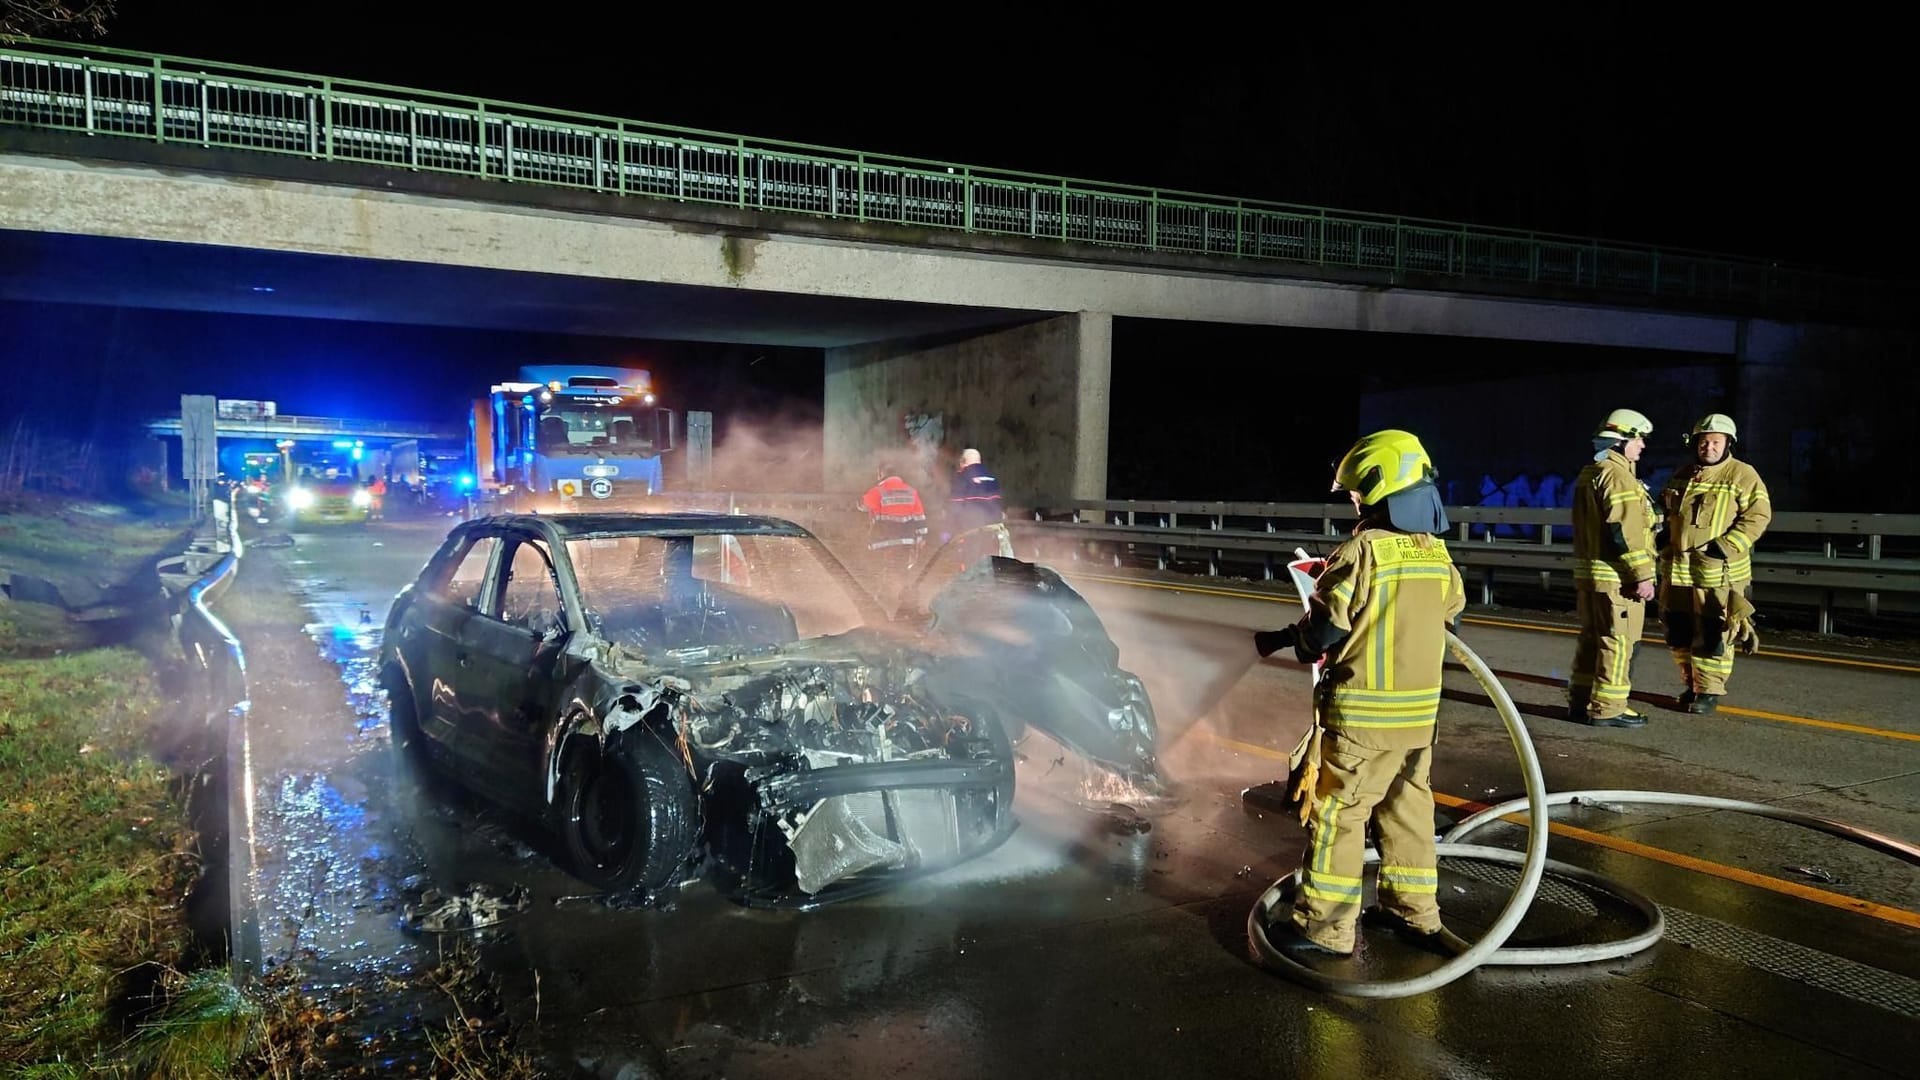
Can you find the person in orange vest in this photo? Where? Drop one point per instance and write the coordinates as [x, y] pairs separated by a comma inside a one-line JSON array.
[[377, 488], [896, 525]]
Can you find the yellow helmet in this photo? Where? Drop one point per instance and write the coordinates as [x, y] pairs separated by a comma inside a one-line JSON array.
[[1625, 425], [1382, 464], [1719, 423]]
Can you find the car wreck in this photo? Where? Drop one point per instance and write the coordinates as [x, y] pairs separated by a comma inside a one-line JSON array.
[[688, 695]]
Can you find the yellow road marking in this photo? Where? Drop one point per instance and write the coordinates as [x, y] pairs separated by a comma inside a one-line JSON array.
[[1835, 725], [1883, 912]]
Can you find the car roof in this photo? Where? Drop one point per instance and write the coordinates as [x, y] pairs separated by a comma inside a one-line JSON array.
[[682, 523]]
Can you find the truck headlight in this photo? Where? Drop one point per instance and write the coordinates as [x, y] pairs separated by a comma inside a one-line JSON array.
[[299, 498], [362, 497]]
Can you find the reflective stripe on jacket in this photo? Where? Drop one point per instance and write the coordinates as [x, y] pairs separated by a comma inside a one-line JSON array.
[[1724, 503], [1395, 593], [895, 499], [1608, 495]]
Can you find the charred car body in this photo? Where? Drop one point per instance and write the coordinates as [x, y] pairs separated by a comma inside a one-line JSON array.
[[687, 691]]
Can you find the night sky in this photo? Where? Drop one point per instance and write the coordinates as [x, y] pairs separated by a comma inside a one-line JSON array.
[[1761, 135]]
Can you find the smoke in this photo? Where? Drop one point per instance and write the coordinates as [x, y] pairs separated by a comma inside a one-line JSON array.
[[776, 453]]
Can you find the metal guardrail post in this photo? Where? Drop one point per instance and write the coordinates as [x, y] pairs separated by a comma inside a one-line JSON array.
[[1873, 555], [740, 173], [1546, 540], [86, 79], [326, 114]]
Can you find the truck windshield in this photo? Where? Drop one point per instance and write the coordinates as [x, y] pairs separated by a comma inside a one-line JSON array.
[[589, 424]]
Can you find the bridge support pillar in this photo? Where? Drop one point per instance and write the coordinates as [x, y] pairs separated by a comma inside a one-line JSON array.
[[1032, 398]]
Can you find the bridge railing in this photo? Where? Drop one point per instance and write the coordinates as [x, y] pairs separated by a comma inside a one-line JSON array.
[[167, 99], [287, 423], [1828, 559]]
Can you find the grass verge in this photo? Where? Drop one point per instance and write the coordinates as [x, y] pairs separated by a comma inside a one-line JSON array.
[[95, 857]]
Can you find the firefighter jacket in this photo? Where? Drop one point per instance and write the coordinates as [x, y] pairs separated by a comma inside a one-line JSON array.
[[1613, 520], [1715, 514], [895, 513], [1394, 594], [975, 500]]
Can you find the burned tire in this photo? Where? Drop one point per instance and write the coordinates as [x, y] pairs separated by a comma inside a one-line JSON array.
[[628, 813]]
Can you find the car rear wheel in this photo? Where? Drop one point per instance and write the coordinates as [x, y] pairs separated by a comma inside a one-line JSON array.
[[628, 813]]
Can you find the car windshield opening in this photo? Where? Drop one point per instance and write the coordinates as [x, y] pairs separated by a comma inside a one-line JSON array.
[[661, 594]]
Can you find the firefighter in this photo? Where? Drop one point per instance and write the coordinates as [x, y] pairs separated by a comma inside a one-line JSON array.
[[974, 504], [1613, 572], [1716, 510], [896, 525], [1379, 615]]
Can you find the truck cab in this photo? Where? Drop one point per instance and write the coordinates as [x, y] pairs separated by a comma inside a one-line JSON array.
[[564, 438]]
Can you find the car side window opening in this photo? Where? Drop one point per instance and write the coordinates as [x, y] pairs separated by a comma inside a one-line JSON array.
[[466, 574], [529, 593]]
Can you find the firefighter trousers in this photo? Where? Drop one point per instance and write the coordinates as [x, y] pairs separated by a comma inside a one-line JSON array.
[[1697, 633], [1390, 787], [1610, 628]]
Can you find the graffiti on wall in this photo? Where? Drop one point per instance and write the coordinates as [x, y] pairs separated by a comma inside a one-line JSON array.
[[1548, 492]]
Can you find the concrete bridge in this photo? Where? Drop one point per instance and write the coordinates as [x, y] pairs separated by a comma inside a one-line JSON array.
[[979, 302]]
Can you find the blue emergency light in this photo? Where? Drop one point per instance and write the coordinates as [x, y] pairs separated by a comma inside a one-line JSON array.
[[466, 479]]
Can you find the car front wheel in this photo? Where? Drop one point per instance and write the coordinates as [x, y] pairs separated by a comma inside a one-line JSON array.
[[628, 813], [409, 742]]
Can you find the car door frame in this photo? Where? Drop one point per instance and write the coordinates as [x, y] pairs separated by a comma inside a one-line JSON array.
[[517, 680], [444, 623]]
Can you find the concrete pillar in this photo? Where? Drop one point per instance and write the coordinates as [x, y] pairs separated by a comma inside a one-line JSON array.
[[1032, 398]]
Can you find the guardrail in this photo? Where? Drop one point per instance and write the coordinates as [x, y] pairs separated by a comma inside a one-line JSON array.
[[196, 579], [169, 99], [1831, 555]]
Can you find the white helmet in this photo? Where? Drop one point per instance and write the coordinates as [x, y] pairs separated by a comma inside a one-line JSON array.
[[1625, 425], [1717, 423]]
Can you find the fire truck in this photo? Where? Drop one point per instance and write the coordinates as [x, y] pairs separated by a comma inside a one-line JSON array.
[[569, 437]]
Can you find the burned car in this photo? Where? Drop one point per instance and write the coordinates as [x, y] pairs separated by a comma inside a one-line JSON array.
[[682, 694]]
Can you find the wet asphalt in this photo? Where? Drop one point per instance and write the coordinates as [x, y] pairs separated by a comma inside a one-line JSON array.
[[1085, 947]]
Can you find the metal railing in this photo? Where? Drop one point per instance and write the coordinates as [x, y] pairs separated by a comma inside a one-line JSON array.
[[166, 99], [1831, 556], [285, 424]]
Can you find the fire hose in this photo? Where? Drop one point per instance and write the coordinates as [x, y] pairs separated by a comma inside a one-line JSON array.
[[1534, 864]]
